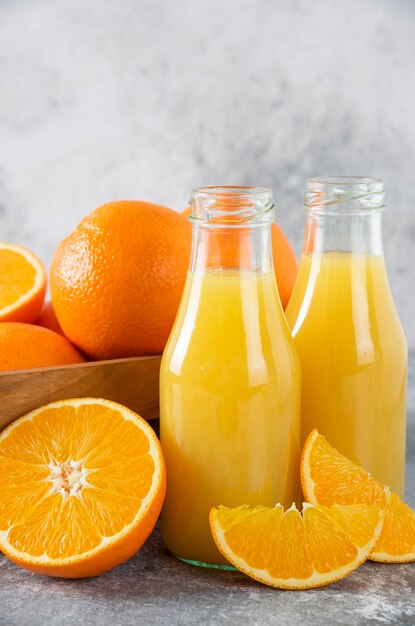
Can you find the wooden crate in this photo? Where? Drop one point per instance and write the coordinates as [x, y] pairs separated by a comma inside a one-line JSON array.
[[133, 382]]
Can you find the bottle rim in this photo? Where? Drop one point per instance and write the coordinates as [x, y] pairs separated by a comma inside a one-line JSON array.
[[344, 194], [231, 206], [231, 190]]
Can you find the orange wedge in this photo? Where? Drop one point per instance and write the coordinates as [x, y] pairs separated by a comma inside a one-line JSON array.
[[293, 550], [22, 284], [82, 482], [328, 477]]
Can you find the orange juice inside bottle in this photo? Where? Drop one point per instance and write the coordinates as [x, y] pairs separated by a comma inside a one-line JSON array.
[[351, 343], [229, 399]]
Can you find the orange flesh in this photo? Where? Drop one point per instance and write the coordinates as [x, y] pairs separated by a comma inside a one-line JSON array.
[[397, 541], [328, 547], [292, 556], [295, 539], [338, 480], [344, 516]]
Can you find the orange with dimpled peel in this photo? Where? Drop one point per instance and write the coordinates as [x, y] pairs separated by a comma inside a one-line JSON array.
[[24, 346], [117, 279]]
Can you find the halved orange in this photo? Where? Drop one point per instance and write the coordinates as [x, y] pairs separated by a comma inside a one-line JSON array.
[[22, 284], [328, 477], [82, 482], [293, 550]]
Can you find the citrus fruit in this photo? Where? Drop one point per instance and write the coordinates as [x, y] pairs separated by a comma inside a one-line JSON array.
[[328, 477], [285, 263], [293, 550], [23, 346], [48, 319], [22, 284], [82, 482], [116, 281]]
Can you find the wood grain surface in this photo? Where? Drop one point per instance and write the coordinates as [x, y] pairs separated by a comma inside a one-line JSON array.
[[133, 382]]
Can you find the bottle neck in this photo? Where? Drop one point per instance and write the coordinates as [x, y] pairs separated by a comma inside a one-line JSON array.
[[356, 233], [344, 214], [231, 229], [235, 250]]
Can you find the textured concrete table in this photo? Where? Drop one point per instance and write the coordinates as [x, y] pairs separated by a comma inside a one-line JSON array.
[[154, 588]]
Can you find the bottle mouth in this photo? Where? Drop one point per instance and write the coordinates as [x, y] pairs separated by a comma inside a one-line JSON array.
[[344, 194], [231, 206]]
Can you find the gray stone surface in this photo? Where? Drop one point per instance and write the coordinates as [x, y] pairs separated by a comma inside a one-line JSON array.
[[149, 98], [155, 588]]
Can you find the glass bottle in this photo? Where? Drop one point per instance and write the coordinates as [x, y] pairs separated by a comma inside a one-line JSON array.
[[230, 376], [352, 347]]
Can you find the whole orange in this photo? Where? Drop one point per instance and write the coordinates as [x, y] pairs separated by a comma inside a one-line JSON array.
[[23, 346], [285, 263], [116, 281]]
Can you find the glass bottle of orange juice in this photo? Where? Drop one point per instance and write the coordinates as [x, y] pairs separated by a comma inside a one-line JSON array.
[[352, 347], [230, 376]]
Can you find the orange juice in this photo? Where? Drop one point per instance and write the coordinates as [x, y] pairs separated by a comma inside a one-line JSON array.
[[229, 406], [353, 357]]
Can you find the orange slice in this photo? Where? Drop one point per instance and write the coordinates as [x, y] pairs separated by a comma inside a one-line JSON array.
[[293, 550], [82, 482], [22, 284], [328, 477]]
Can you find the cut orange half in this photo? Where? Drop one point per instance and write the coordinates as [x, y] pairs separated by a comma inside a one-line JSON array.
[[328, 477], [82, 482], [22, 284], [293, 550]]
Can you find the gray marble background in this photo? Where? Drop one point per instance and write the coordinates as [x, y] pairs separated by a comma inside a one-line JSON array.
[[145, 99]]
